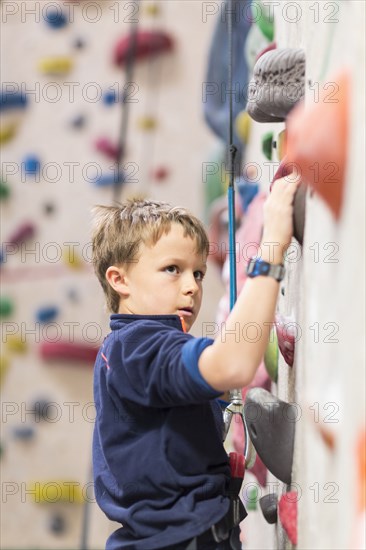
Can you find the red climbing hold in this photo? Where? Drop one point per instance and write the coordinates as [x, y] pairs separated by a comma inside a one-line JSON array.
[[286, 334], [68, 350], [105, 146], [287, 508], [317, 141], [148, 44]]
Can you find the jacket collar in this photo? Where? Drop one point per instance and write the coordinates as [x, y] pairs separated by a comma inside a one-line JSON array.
[[118, 320]]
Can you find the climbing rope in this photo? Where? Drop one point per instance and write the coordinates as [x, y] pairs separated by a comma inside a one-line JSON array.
[[236, 406], [130, 65]]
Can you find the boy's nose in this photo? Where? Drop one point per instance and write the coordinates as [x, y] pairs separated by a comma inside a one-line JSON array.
[[190, 285]]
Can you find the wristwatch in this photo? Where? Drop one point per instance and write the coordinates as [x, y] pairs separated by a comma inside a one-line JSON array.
[[256, 267]]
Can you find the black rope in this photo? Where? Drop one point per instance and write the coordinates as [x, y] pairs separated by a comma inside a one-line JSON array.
[[130, 65]]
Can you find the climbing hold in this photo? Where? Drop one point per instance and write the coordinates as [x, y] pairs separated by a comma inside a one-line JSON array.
[[271, 356], [110, 97], [41, 409], [267, 144], [55, 18], [318, 138], [287, 511], [23, 233], [78, 122], [7, 132], [271, 96], [47, 314], [152, 9], [56, 66], [271, 425], [6, 306], [73, 295], [243, 124], [263, 17], [147, 123], [65, 350], [57, 524], [72, 259], [105, 146], [24, 433], [16, 344], [285, 169], [247, 191], [299, 213], [31, 165], [281, 144], [12, 100], [160, 174], [57, 491], [79, 43], [49, 208], [286, 334], [4, 190], [148, 44], [4, 365], [106, 180], [252, 499], [268, 505]]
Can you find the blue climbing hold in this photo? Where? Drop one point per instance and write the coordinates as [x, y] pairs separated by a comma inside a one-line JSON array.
[[47, 314], [78, 122], [24, 433], [55, 18], [32, 165], [110, 97], [106, 180], [12, 100]]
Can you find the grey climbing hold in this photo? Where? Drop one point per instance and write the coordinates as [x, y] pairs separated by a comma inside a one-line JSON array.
[[268, 505], [271, 426], [278, 83], [299, 213]]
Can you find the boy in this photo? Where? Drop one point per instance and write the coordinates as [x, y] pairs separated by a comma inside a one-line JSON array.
[[160, 468]]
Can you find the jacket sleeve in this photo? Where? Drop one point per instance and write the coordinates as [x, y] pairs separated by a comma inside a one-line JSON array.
[[156, 366]]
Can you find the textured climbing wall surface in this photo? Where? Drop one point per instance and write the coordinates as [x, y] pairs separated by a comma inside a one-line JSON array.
[[323, 293], [68, 131], [51, 127]]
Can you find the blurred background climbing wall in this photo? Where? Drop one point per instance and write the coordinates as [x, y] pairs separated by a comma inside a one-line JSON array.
[[75, 77]]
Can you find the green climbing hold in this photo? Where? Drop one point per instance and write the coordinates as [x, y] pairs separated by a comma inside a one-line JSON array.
[[261, 14], [4, 190], [271, 356], [267, 144], [6, 306], [252, 499]]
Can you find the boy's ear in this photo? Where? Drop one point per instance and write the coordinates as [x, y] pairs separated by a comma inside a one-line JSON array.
[[117, 278]]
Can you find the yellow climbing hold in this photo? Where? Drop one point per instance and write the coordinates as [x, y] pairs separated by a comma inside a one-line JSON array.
[[72, 259], [147, 123], [4, 366], [16, 344], [7, 133], [152, 9], [56, 491], [243, 125], [281, 144], [56, 65]]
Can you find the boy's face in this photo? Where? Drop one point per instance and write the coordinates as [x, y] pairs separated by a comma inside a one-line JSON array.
[[166, 278]]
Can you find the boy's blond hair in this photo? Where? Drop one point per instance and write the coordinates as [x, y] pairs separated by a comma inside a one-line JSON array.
[[119, 231]]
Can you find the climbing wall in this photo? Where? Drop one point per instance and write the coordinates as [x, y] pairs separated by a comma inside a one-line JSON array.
[[319, 382], [61, 115]]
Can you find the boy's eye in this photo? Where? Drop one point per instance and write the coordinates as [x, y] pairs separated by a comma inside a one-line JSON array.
[[199, 275], [173, 269]]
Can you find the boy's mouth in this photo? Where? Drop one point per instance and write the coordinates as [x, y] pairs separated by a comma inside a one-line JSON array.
[[186, 311]]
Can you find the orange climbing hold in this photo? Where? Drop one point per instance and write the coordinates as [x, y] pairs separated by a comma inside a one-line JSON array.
[[317, 140]]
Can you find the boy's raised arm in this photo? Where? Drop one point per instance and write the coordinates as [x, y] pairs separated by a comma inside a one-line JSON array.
[[232, 360]]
